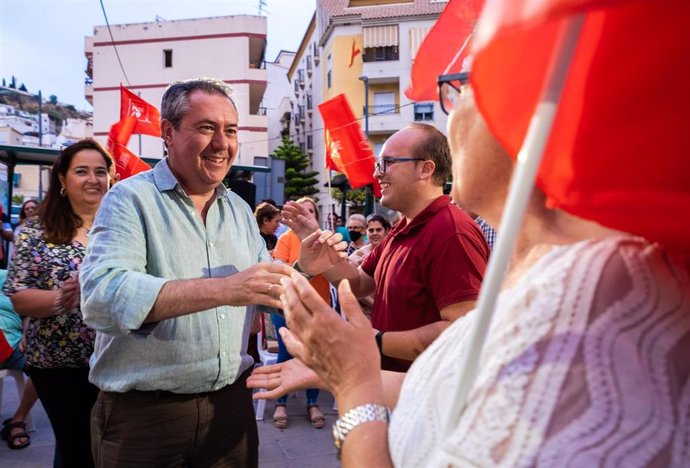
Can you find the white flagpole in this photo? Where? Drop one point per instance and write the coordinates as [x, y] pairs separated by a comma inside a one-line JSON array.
[[521, 186], [331, 205]]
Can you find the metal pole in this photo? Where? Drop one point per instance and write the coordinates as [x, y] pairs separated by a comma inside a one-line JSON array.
[[366, 105], [140, 155], [40, 119], [369, 197]]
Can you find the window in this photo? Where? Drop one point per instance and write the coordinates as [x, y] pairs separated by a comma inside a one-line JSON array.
[[424, 111], [310, 142], [384, 103], [380, 54], [167, 58], [309, 102], [329, 63]]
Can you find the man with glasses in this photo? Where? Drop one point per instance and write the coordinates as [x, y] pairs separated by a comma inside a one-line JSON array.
[[428, 270]]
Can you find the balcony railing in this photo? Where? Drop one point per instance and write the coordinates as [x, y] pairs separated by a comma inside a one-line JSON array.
[[378, 109]]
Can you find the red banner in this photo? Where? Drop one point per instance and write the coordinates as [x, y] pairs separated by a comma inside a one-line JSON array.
[[618, 150], [348, 145], [444, 49], [147, 117], [126, 163]]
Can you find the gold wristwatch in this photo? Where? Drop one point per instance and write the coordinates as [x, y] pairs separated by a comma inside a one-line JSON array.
[[353, 418]]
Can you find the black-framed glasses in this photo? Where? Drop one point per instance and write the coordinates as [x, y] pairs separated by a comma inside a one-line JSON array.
[[382, 164], [449, 89]]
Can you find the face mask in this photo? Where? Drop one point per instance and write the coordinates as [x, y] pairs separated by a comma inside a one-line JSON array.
[[354, 235]]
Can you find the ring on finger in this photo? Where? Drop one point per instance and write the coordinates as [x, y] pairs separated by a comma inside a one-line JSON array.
[[270, 288]]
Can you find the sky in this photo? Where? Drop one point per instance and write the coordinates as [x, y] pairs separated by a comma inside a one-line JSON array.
[[42, 41]]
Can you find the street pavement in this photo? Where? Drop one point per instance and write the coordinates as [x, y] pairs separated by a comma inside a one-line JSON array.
[[298, 446]]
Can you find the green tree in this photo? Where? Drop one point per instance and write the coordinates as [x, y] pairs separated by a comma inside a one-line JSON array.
[[355, 198], [53, 99], [22, 87], [298, 183]]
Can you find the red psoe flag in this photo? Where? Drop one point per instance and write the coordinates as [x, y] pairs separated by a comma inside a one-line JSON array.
[[619, 149], [126, 163], [147, 117], [333, 160], [444, 49], [348, 143]]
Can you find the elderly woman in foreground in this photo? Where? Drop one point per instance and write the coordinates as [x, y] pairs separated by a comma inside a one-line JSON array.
[[585, 363]]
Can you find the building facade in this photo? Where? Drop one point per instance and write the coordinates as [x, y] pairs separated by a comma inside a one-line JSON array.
[[229, 48], [365, 50]]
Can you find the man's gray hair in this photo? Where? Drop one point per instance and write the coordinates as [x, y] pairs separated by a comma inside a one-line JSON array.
[[175, 102]]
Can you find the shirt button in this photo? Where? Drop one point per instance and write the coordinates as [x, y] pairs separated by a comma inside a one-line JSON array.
[[222, 316], [212, 244], [224, 353]]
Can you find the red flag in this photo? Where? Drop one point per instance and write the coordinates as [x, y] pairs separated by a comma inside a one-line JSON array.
[[126, 163], [148, 119], [333, 159], [618, 151], [443, 49], [347, 143]]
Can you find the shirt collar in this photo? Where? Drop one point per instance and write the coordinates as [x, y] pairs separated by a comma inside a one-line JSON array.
[[422, 218], [166, 180]]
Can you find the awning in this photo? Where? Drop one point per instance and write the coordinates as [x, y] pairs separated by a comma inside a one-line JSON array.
[[380, 36], [417, 36]]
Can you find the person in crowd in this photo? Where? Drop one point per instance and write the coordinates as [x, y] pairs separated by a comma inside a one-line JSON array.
[[428, 270], [585, 363], [377, 228], [356, 230], [175, 260], [282, 228], [43, 284], [12, 355], [268, 218], [287, 251], [336, 224], [26, 211], [6, 234]]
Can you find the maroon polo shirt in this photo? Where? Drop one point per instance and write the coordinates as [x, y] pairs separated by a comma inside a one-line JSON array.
[[435, 261]]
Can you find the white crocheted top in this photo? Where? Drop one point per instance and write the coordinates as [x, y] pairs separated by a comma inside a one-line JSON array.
[[587, 364]]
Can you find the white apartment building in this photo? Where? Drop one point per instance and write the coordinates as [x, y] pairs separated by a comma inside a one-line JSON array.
[[278, 98], [24, 123], [230, 48], [359, 47]]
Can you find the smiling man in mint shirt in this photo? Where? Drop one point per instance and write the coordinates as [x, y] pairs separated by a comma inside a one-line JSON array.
[[173, 262]]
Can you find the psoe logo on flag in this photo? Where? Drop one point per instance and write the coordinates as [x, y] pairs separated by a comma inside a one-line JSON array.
[[139, 112]]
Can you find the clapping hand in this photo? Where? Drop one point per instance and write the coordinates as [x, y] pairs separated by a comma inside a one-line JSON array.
[[298, 218], [321, 251], [342, 353], [281, 379]]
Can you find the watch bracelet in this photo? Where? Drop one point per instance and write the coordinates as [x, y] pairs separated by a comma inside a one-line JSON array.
[[302, 272], [358, 415]]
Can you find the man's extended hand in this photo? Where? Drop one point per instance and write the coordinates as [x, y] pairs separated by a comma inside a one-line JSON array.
[[259, 284], [321, 251], [298, 218]]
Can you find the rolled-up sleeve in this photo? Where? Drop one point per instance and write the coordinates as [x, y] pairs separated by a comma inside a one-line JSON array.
[[117, 293]]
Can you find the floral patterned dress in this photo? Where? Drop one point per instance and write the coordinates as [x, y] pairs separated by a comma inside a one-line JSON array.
[[63, 340]]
